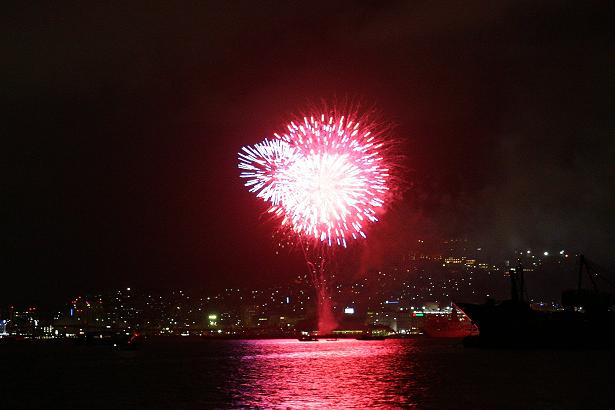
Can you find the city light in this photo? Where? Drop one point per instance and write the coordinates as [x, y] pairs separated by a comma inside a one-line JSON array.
[[413, 285]]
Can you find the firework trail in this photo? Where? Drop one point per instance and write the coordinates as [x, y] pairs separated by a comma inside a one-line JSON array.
[[326, 178]]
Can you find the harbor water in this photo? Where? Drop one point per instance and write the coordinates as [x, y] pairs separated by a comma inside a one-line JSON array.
[[399, 373]]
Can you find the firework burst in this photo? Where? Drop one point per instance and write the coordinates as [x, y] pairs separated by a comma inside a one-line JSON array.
[[325, 178]]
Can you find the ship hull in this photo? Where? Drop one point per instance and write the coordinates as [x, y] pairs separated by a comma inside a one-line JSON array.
[[511, 325]]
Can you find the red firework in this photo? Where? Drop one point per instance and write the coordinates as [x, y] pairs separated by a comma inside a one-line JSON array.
[[326, 178]]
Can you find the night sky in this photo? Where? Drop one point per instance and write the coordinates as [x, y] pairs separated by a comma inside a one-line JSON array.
[[120, 128]]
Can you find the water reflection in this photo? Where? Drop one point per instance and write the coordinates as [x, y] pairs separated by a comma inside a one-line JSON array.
[[325, 374]]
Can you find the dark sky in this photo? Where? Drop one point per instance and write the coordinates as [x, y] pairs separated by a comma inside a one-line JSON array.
[[120, 127]]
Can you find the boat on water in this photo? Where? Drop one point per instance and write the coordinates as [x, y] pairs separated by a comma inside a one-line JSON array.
[[307, 337], [455, 325], [587, 319], [371, 337]]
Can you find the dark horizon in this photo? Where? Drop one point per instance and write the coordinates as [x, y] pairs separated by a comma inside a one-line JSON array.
[[122, 126]]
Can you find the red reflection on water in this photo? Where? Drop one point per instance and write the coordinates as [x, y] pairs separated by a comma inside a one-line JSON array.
[[325, 374]]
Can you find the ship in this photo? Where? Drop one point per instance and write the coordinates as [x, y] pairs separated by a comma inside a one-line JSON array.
[[375, 332], [586, 320], [455, 325], [307, 337], [367, 336]]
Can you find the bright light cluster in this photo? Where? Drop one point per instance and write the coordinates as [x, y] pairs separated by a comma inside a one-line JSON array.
[[325, 178]]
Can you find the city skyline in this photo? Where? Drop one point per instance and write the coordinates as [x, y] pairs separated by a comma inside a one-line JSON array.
[[428, 270]]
